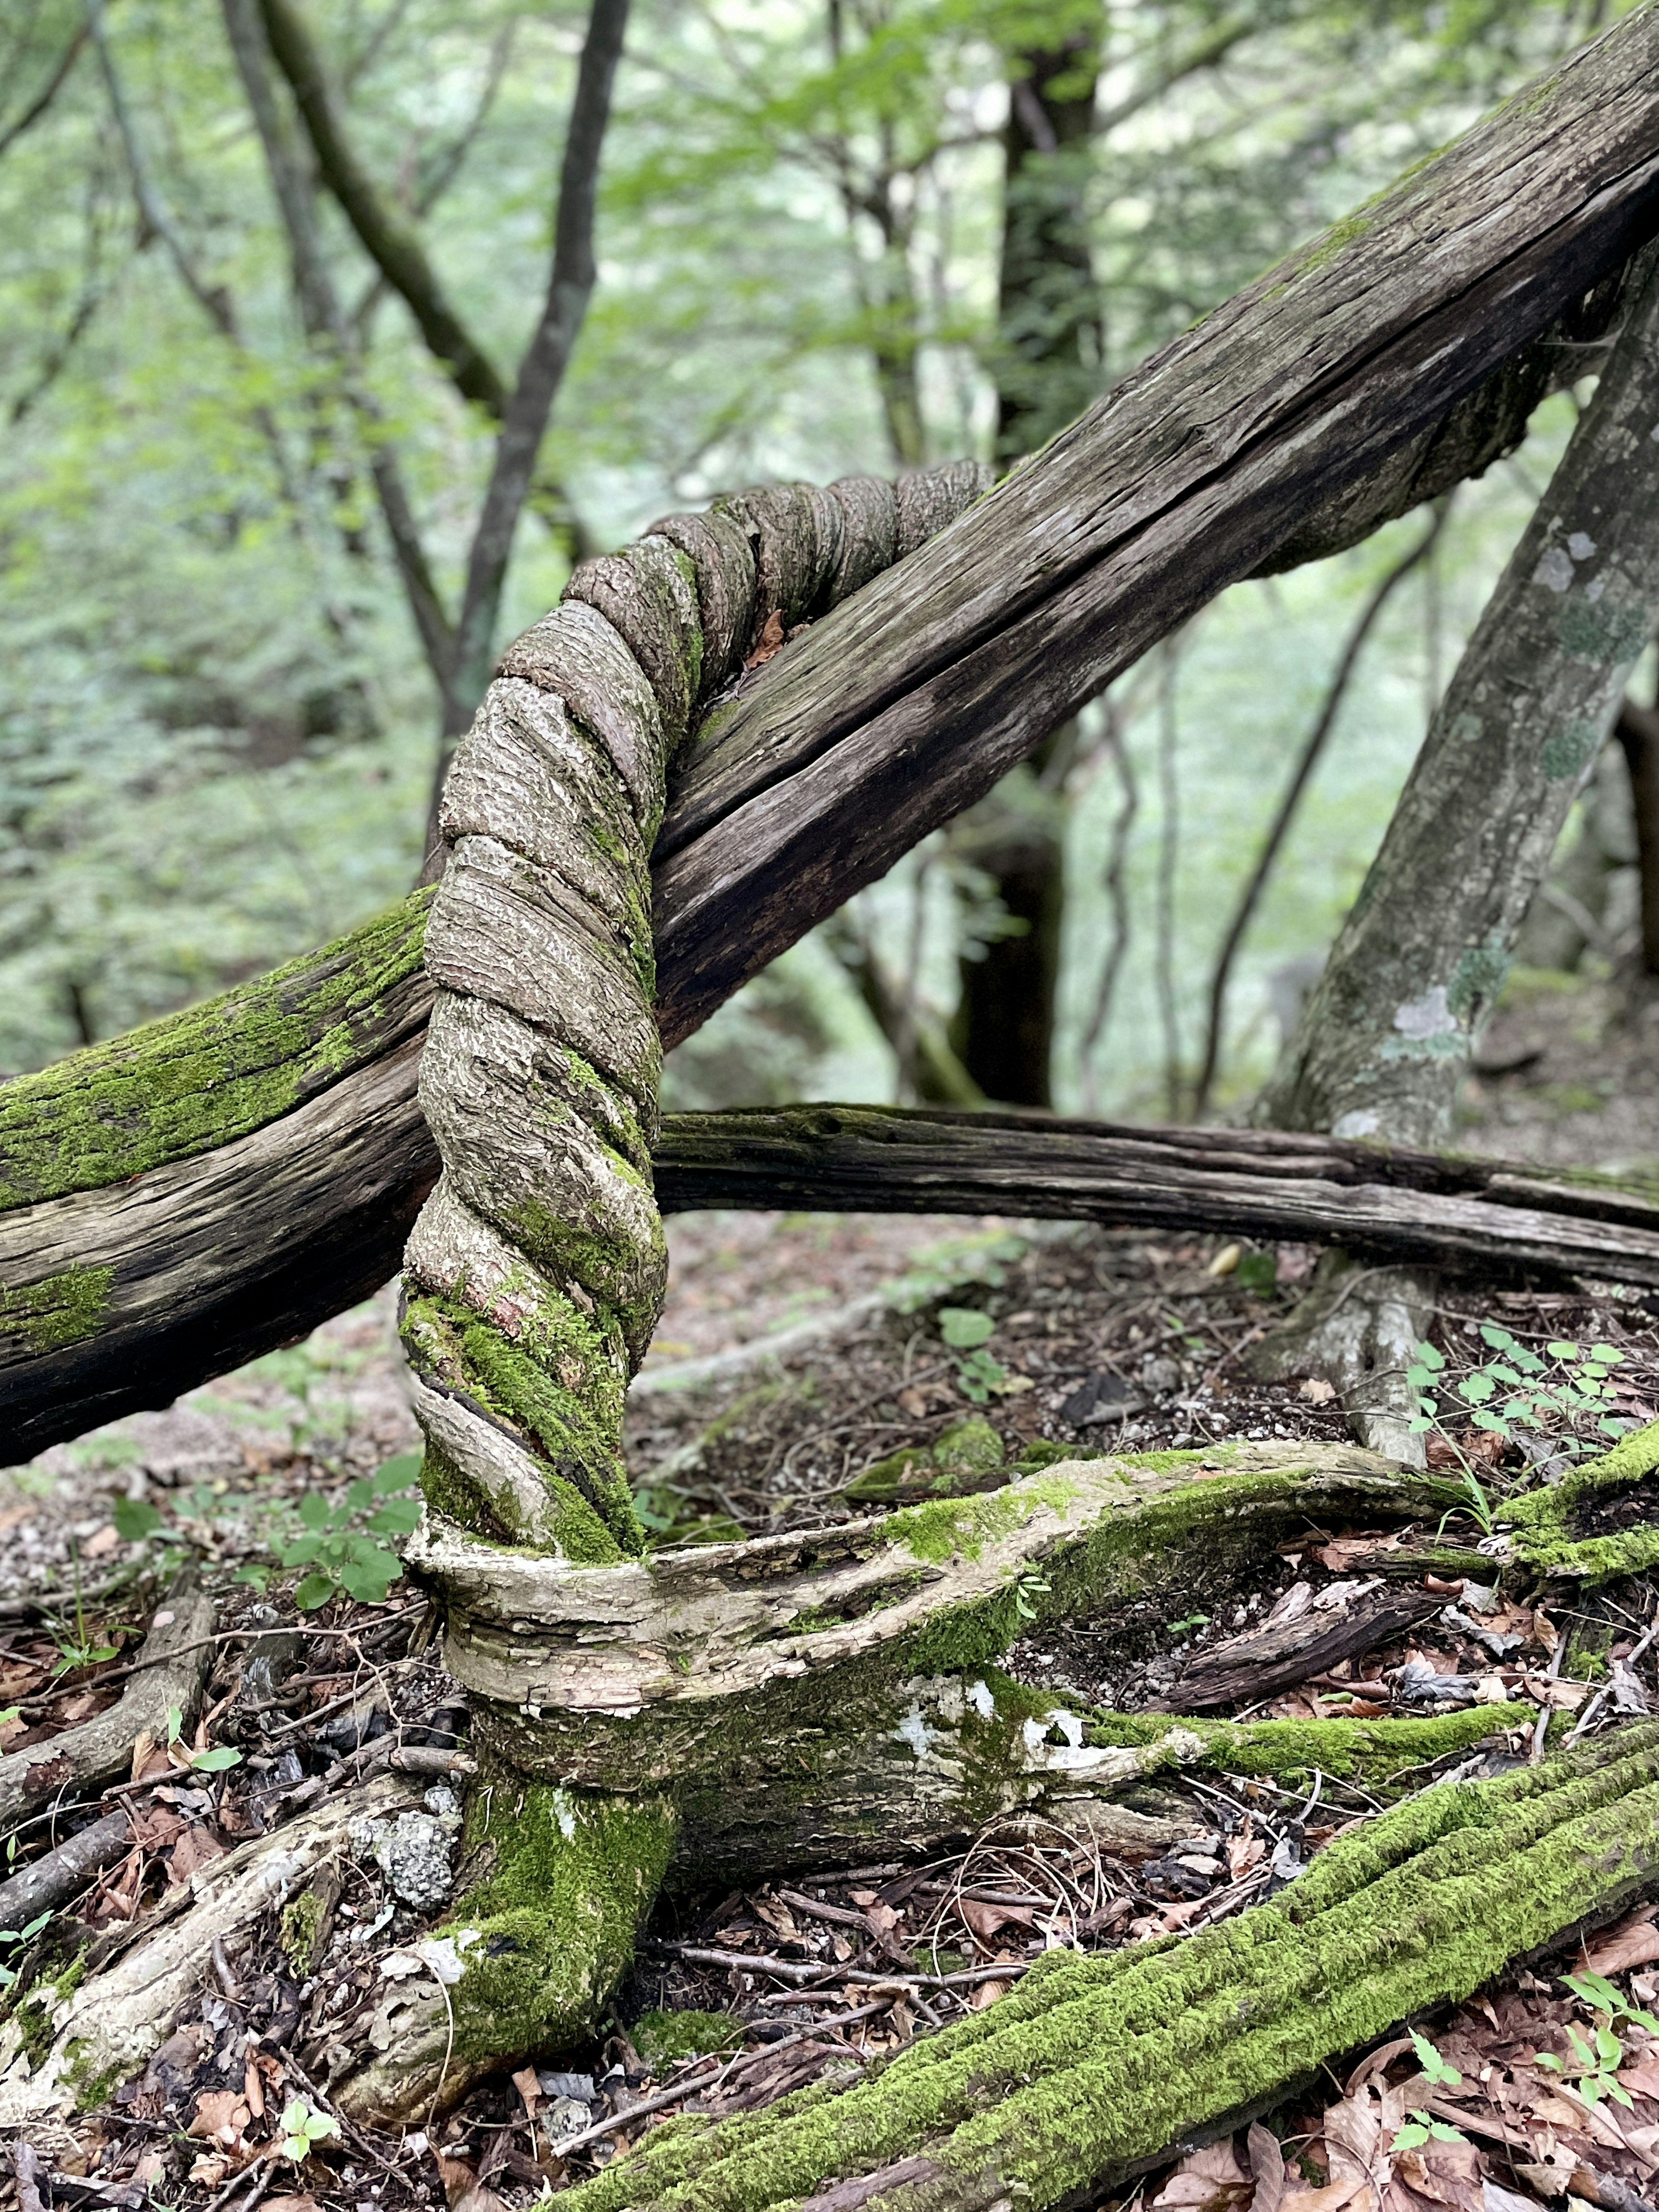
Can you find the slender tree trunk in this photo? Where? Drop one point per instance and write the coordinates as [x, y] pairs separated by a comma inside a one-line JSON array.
[[1048, 362], [1638, 732], [1387, 1035]]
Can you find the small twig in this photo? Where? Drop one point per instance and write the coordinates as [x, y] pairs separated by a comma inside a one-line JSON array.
[[787, 1970], [1541, 1733], [1593, 1710]]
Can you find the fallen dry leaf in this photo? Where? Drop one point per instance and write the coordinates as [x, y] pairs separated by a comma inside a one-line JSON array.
[[1633, 1942], [987, 1993], [1212, 2179], [101, 1543], [1267, 2167], [303, 2202], [769, 643], [221, 2116], [1316, 1390], [986, 1920], [462, 2191], [1243, 1853]]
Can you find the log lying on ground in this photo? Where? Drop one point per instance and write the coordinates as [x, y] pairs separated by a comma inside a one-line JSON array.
[[1488, 1214], [70, 2042], [1092, 2066], [740, 1710], [122, 1313], [278, 1161], [171, 1668], [731, 1711]]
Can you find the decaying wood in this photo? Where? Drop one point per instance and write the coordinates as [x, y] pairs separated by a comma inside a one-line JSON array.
[[333, 1187], [1093, 2067], [173, 1666], [902, 706], [1301, 1643], [1487, 1215], [107, 2028], [63, 1872], [910, 701]]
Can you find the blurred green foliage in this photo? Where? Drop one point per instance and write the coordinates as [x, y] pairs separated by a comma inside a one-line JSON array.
[[216, 729]]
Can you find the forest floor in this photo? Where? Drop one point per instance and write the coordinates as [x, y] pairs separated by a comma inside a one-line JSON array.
[[800, 1357]]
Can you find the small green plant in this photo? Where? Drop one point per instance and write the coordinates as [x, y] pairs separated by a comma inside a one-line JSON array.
[[8, 1936], [200, 1762], [75, 1646], [301, 2129], [1193, 1620], [1596, 2059], [1565, 1392], [965, 1329], [340, 1544], [1420, 2126], [1027, 1588], [135, 1520]]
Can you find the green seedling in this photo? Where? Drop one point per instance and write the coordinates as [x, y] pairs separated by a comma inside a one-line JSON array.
[[200, 1762], [301, 2129], [1421, 2127], [19, 1936], [1596, 2059], [980, 1377], [340, 1544], [1027, 1588]]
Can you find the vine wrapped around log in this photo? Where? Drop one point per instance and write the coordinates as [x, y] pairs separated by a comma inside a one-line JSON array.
[[275, 1132]]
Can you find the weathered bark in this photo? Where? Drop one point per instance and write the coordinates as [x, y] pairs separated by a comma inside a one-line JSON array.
[[171, 1666], [1387, 1032], [1323, 375], [744, 1710], [1187, 476], [1484, 1216], [1094, 2066], [268, 1235]]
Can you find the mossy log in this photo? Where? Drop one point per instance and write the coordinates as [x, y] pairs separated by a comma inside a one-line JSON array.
[[271, 1146], [1093, 2065]]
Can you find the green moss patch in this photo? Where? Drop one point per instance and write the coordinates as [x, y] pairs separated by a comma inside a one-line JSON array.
[[193, 1081]]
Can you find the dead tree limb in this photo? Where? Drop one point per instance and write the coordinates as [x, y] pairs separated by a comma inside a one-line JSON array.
[[274, 1133]]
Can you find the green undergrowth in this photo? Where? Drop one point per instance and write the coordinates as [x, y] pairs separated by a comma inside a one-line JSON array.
[[196, 1079], [1095, 2061]]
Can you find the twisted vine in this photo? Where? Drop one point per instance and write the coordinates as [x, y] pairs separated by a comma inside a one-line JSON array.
[[535, 1272]]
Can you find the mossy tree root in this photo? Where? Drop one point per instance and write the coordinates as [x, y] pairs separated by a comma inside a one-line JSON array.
[[1093, 2064]]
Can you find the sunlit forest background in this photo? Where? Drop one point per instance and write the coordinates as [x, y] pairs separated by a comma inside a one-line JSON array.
[[217, 727]]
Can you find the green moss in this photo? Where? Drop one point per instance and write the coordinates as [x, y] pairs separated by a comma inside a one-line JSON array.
[[559, 1390], [1544, 1522], [63, 1310], [663, 2038], [1292, 1752], [547, 1935], [1094, 2063], [195, 1080], [298, 1931], [967, 1457]]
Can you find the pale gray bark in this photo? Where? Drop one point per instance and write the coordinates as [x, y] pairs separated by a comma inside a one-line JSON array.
[[1386, 1037]]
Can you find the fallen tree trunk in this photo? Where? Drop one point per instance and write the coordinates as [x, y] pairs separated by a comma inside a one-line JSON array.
[[1093, 2066], [278, 1125], [1489, 1215]]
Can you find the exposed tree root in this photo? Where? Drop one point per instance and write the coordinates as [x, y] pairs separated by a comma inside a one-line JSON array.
[[171, 1668], [1358, 1329], [68, 2043], [1093, 2065]]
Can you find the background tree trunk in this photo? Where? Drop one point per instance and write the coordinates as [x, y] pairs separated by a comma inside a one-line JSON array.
[[1386, 1037], [1049, 367]]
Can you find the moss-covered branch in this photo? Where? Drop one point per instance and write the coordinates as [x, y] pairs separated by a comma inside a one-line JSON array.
[[1093, 2063]]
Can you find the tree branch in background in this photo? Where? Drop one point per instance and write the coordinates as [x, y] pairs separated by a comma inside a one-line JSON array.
[[1386, 1037], [396, 251], [1313, 747], [541, 371], [43, 98], [1115, 882], [158, 216], [1637, 730], [324, 324]]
